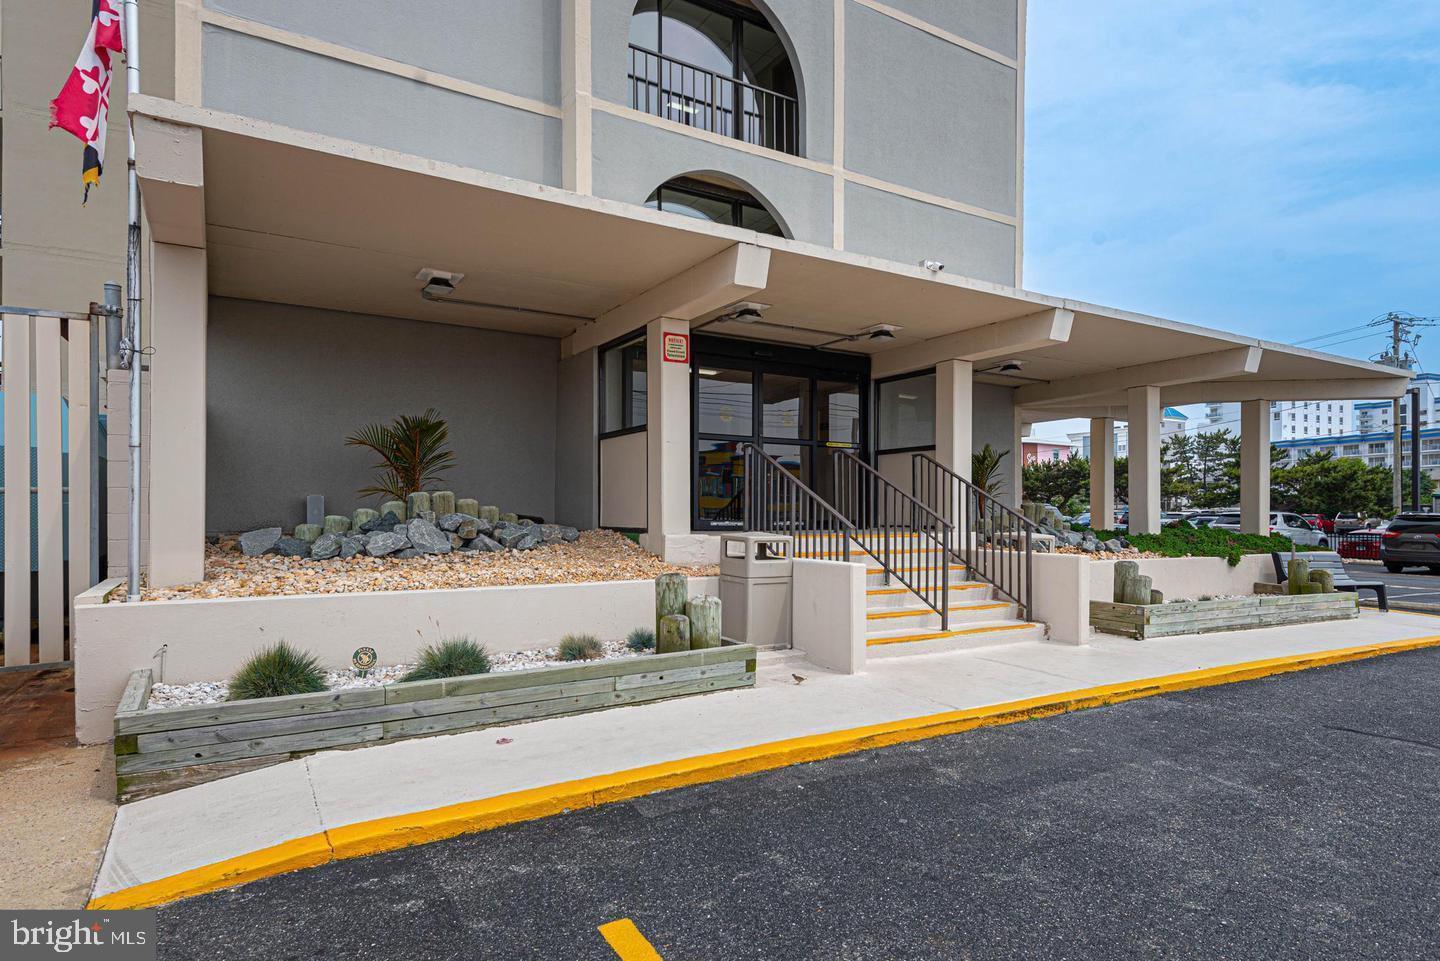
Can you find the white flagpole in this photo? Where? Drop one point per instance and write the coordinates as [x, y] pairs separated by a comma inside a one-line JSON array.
[[132, 308]]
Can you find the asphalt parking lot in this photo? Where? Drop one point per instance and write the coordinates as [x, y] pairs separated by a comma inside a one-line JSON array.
[[1290, 817], [1413, 589]]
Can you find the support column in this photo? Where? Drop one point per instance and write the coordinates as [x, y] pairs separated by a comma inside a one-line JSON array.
[[575, 95], [1144, 423], [954, 415], [668, 442], [1102, 473], [1255, 466], [1015, 487], [178, 312]]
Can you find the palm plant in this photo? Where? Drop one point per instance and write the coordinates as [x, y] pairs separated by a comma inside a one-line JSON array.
[[985, 470], [414, 453]]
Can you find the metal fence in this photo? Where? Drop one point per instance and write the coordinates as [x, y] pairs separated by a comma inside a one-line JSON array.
[[48, 357], [1357, 545]]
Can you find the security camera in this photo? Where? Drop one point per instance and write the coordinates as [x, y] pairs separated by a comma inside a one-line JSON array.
[[934, 266]]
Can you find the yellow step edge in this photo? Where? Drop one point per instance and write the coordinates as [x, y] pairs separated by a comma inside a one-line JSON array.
[[937, 635], [882, 591], [419, 827], [880, 615]]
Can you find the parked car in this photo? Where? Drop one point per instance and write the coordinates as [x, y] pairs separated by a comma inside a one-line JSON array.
[[1411, 540], [1320, 522], [1292, 526], [1347, 521]]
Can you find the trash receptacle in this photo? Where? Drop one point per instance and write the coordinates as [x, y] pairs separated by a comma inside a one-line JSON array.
[[755, 588]]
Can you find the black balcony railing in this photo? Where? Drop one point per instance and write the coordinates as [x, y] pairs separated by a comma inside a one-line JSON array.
[[701, 98]]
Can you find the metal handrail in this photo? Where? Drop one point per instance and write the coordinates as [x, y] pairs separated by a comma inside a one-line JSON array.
[[911, 541], [996, 542], [663, 86], [776, 501]]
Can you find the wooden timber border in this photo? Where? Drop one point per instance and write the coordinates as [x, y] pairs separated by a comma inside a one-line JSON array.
[[162, 750], [1228, 614]]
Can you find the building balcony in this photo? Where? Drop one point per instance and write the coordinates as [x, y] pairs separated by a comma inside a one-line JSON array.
[[700, 98]]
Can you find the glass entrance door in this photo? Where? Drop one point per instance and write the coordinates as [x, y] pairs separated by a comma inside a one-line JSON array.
[[799, 413]]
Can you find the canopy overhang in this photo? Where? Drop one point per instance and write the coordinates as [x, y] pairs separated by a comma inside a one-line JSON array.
[[299, 218]]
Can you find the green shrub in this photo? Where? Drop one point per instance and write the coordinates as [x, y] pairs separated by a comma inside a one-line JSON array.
[[580, 647], [452, 657], [641, 639], [276, 671], [1186, 541]]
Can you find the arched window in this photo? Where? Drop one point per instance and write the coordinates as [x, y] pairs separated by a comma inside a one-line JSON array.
[[717, 199], [718, 65]]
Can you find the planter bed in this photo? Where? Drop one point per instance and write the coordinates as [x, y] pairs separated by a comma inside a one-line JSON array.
[[1229, 614], [160, 751]]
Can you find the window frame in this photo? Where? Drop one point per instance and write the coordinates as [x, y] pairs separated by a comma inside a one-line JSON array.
[[876, 385], [642, 335]]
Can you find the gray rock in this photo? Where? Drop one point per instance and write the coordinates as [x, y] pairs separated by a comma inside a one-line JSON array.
[[292, 547], [524, 522], [529, 540], [258, 542], [428, 515], [470, 526], [510, 534], [350, 546], [482, 543], [555, 533], [387, 522], [426, 538], [407, 553], [456, 542], [308, 532], [325, 547], [450, 522], [361, 517], [381, 543]]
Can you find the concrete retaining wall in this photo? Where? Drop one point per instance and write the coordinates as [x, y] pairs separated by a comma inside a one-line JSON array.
[[1065, 584], [200, 640], [828, 613]]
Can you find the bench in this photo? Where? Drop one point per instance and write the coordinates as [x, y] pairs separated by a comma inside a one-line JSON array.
[[1332, 562]]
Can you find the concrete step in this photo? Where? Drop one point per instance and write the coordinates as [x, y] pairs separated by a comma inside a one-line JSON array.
[[881, 596], [875, 575], [905, 548], [917, 617], [904, 642]]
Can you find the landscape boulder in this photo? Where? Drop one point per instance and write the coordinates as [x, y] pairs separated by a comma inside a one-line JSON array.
[[383, 543], [258, 542], [292, 547], [325, 547]]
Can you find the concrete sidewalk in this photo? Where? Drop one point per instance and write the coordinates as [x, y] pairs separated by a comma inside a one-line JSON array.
[[348, 803]]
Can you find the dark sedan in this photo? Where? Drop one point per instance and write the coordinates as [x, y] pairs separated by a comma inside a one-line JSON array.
[[1411, 540]]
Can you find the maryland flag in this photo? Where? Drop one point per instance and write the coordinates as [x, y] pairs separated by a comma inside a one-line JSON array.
[[83, 107]]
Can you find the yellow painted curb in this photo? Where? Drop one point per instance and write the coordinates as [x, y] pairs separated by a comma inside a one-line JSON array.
[[386, 834], [627, 942]]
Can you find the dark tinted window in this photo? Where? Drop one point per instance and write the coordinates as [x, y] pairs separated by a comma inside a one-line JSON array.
[[1416, 522]]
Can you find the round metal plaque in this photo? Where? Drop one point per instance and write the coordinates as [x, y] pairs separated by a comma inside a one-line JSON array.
[[364, 658]]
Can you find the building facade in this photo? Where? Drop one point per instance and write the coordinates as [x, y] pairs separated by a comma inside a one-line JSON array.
[[614, 243], [1288, 421]]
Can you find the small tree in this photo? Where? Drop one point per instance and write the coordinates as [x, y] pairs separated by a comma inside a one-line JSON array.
[[414, 453], [985, 470]]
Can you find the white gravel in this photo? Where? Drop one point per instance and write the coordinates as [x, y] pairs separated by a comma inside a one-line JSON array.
[[213, 692]]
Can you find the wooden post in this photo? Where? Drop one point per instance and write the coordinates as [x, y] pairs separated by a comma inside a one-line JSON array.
[[673, 635], [704, 614], [669, 597]]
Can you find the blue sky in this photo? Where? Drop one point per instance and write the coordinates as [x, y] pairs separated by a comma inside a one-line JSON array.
[[1266, 167]]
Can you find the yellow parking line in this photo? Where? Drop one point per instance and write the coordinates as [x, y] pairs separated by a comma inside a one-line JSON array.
[[627, 942]]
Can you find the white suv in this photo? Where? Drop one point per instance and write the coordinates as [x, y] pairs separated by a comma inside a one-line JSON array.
[[1298, 529]]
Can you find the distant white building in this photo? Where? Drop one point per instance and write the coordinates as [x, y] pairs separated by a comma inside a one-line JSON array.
[[1172, 422], [1288, 420], [1371, 416]]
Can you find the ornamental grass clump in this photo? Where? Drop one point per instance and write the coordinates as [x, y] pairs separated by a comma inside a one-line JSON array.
[[452, 657], [640, 640], [277, 671], [581, 647]]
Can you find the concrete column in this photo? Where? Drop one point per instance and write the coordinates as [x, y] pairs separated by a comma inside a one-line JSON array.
[[575, 95], [954, 414], [1255, 466], [668, 441], [178, 300], [1102, 472], [1015, 487], [1144, 459]]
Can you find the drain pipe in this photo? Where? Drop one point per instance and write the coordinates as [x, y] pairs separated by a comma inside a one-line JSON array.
[[130, 346]]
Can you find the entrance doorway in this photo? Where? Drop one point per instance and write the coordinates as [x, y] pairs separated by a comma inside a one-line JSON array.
[[799, 405]]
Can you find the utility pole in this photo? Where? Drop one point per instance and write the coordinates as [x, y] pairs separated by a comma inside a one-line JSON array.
[[1396, 457]]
